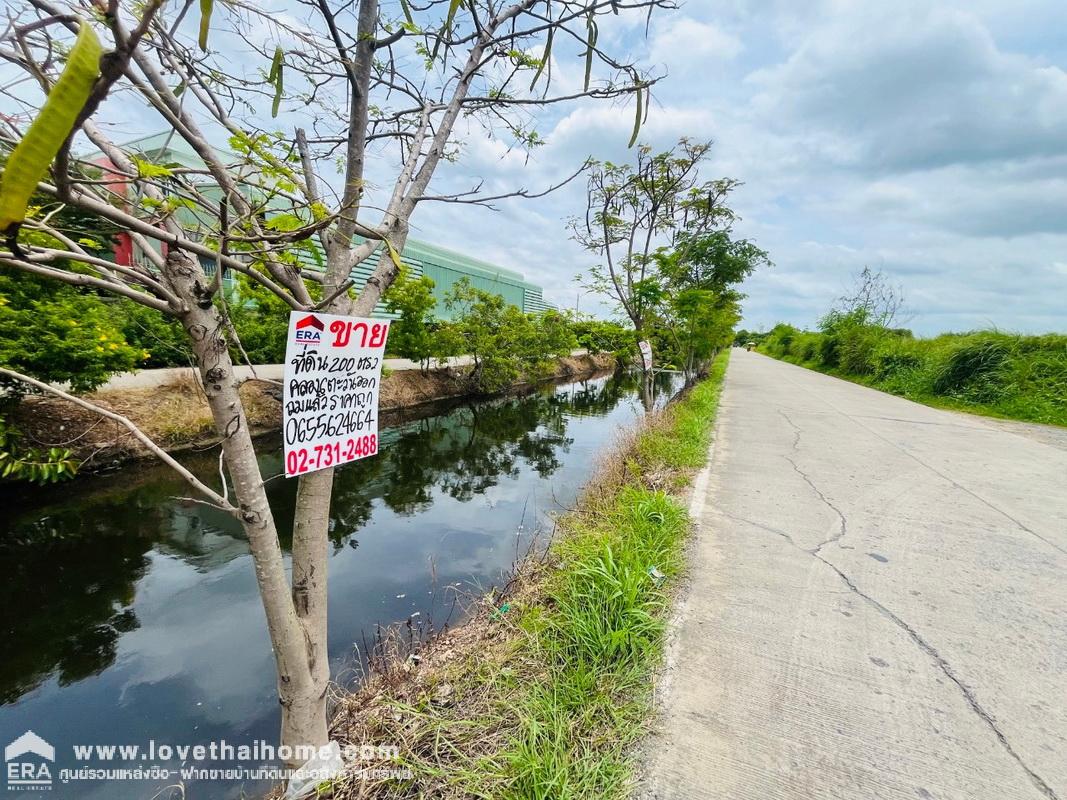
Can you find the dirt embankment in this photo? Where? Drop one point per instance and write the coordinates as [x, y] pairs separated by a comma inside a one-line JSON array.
[[176, 416]]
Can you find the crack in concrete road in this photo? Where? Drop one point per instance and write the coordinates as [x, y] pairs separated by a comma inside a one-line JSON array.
[[946, 668], [856, 419], [771, 689], [842, 522], [924, 645]]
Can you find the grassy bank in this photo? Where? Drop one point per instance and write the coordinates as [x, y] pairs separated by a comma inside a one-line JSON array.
[[542, 693], [985, 372]]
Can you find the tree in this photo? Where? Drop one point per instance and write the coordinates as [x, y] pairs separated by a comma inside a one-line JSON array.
[[873, 300], [634, 211], [358, 83], [669, 255], [605, 336], [696, 324], [854, 327], [698, 307], [411, 336]]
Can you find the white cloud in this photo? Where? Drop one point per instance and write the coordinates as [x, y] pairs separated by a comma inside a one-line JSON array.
[[926, 138], [912, 88], [687, 43]]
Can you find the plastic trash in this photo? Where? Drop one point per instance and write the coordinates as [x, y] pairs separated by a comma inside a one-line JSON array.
[[656, 576], [326, 765]]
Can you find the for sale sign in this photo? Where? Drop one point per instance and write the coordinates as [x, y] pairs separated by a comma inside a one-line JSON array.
[[646, 354], [333, 376]]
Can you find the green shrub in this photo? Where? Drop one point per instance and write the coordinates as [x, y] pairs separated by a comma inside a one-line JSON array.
[[605, 336], [58, 333], [780, 340], [504, 342], [807, 347], [972, 367], [857, 348], [1021, 377]]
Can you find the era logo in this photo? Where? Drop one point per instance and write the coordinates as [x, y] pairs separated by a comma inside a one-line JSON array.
[[29, 773], [308, 330]]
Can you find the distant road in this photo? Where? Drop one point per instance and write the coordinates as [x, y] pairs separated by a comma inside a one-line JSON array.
[[878, 603]]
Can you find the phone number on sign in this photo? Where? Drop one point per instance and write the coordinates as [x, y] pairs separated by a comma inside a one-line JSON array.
[[320, 456]]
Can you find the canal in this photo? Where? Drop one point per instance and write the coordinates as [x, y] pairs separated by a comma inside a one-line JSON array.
[[131, 615]]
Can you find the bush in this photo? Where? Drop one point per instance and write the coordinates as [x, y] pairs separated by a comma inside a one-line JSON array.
[[58, 333], [971, 368], [1022, 377], [412, 335], [161, 337], [856, 349], [780, 340], [807, 347], [504, 342], [601, 336]]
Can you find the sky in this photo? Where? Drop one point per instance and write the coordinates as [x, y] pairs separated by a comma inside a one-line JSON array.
[[927, 140]]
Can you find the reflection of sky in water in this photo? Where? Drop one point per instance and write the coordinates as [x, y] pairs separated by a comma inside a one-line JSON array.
[[133, 616]]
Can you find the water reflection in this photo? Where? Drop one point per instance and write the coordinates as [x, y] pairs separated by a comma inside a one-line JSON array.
[[131, 615]]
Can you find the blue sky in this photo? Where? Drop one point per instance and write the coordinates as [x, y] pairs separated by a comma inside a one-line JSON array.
[[928, 140], [924, 139]]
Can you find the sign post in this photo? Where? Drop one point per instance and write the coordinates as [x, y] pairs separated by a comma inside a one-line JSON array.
[[646, 354], [332, 382]]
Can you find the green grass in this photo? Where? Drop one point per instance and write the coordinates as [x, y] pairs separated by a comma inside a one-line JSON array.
[[983, 372], [551, 704]]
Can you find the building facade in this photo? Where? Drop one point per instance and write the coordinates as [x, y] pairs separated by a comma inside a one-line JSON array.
[[444, 267]]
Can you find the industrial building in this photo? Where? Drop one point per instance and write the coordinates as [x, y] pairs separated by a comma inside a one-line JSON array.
[[444, 267]]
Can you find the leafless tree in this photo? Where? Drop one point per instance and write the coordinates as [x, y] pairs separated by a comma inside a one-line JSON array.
[[375, 92], [872, 295]]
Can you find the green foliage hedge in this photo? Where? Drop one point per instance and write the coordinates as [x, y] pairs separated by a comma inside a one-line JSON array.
[[1006, 374]]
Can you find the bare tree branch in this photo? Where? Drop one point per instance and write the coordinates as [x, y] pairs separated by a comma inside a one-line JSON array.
[[217, 499]]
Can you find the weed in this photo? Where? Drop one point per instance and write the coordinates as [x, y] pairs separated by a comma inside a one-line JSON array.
[[988, 372], [547, 701]]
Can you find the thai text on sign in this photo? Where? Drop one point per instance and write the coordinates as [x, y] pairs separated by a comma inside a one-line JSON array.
[[646, 354], [332, 377]]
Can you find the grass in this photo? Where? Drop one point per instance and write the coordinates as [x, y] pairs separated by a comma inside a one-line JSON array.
[[543, 692], [984, 372]]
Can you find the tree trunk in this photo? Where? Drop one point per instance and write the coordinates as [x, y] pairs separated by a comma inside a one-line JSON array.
[[648, 394], [300, 659], [311, 558]]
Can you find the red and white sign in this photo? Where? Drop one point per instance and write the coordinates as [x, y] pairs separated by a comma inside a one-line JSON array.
[[645, 350], [333, 377]]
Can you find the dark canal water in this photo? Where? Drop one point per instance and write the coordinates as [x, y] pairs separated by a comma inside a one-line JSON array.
[[130, 616]]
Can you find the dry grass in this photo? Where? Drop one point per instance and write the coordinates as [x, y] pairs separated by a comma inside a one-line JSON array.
[[178, 418]]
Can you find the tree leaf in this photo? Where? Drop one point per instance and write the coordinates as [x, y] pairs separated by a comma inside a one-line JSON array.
[[394, 255], [453, 7], [206, 7], [146, 169], [30, 159]]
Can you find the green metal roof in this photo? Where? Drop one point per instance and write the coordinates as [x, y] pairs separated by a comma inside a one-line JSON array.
[[165, 148], [435, 254], [168, 148]]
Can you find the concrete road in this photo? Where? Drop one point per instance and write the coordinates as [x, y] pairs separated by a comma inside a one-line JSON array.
[[877, 604]]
